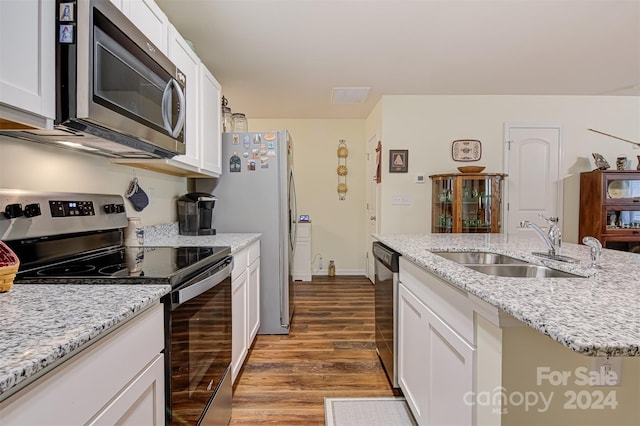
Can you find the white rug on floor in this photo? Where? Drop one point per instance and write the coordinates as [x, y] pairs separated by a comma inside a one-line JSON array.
[[388, 411]]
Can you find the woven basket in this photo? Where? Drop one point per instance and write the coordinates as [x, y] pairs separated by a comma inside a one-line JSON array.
[[9, 267]]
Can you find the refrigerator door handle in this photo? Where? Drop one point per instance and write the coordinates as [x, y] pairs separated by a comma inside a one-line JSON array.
[[294, 222]]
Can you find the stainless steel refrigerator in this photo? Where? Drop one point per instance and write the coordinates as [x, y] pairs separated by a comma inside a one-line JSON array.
[[256, 193]]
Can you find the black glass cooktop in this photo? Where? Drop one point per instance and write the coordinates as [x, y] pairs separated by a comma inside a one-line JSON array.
[[127, 265]]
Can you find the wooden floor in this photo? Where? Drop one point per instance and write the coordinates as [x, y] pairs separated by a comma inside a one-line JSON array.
[[329, 352]]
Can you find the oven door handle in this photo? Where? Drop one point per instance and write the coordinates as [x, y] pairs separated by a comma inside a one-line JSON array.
[[195, 290]]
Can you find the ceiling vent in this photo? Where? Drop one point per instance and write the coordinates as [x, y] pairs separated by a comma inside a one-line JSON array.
[[349, 95]]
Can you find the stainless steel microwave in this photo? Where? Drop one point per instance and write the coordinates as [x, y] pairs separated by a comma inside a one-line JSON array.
[[117, 94]]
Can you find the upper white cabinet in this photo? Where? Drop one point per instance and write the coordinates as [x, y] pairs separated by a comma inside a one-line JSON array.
[[188, 62], [27, 63], [147, 16], [209, 111]]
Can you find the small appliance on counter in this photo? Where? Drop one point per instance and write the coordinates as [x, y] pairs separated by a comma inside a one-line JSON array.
[[195, 214]]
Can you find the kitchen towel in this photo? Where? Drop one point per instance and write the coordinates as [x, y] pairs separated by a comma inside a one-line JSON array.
[[137, 196]]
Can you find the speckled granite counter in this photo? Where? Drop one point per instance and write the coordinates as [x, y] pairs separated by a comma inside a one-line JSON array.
[[167, 235], [597, 316], [43, 325]]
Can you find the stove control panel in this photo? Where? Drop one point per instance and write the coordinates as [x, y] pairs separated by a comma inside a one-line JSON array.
[[71, 208], [34, 214]]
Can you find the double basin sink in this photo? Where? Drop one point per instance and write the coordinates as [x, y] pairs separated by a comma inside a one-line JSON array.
[[503, 266]]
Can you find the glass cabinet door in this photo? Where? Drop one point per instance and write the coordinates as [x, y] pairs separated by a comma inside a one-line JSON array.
[[476, 205], [621, 189], [442, 220]]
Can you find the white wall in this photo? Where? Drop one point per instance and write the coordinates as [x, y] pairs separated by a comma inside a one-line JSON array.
[[426, 126], [338, 227], [32, 166]]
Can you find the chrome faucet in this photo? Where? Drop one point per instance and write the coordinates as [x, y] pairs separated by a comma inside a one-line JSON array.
[[553, 238], [596, 250]]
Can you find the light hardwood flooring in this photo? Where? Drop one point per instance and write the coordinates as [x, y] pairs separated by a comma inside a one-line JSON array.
[[329, 352]]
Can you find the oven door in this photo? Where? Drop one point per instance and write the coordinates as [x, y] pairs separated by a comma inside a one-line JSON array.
[[199, 349]]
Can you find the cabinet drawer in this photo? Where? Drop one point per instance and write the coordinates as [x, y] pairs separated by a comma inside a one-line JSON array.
[[450, 304], [240, 262], [303, 231], [254, 252]]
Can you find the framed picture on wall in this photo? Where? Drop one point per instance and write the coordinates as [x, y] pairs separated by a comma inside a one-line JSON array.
[[398, 160]]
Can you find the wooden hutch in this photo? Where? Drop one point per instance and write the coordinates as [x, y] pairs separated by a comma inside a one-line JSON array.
[[610, 208]]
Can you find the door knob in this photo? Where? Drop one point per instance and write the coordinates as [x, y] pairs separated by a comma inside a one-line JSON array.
[[372, 218]]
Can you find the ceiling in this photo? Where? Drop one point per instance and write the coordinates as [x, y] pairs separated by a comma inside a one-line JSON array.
[[282, 58]]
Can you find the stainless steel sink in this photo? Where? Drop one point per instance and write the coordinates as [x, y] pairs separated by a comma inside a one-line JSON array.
[[521, 271], [502, 265], [479, 257]]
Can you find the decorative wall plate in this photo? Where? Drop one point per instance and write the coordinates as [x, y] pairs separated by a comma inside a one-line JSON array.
[[466, 150]]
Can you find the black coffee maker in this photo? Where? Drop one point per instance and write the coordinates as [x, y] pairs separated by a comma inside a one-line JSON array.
[[195, 214]]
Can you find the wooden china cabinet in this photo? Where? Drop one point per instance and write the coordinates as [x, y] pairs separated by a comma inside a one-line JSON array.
[[610, 208], [466, 202]]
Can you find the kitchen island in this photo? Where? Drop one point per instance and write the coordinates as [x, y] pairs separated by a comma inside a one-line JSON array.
[[483, 349]]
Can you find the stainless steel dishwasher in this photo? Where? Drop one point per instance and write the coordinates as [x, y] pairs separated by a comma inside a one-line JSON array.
[[386, 296]]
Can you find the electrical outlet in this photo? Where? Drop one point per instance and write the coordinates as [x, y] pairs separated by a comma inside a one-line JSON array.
[[605, 371], [320, 263]]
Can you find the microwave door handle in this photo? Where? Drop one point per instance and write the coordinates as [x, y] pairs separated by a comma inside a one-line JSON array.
[[166, 108]]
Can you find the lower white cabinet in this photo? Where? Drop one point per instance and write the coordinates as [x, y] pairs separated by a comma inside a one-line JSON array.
[[435, 362], [117, 380], [302, 259], [245, 304], [239, 329]]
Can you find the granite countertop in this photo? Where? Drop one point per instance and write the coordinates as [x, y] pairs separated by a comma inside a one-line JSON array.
[[44, 325], [167, 235], [596, 316]]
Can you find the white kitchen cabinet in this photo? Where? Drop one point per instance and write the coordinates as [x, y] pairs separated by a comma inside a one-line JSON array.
[[239, 328], [147, 16], [117, 380], [245, 311], [188, 62], [253, 314], [435, 361], [27, 63], [210, 110], [302, 258]]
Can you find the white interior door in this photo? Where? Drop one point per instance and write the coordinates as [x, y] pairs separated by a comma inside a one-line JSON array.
[[372, 203], [534, 182]]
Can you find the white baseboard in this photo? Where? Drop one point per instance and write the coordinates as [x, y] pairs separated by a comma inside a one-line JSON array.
[[339, 272]]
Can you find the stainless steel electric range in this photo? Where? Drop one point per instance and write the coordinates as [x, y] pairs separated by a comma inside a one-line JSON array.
[[72, 238]]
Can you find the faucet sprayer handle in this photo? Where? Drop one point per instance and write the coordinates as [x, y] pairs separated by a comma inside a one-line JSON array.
[[596, 249], [592, 242], [553, 220]]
